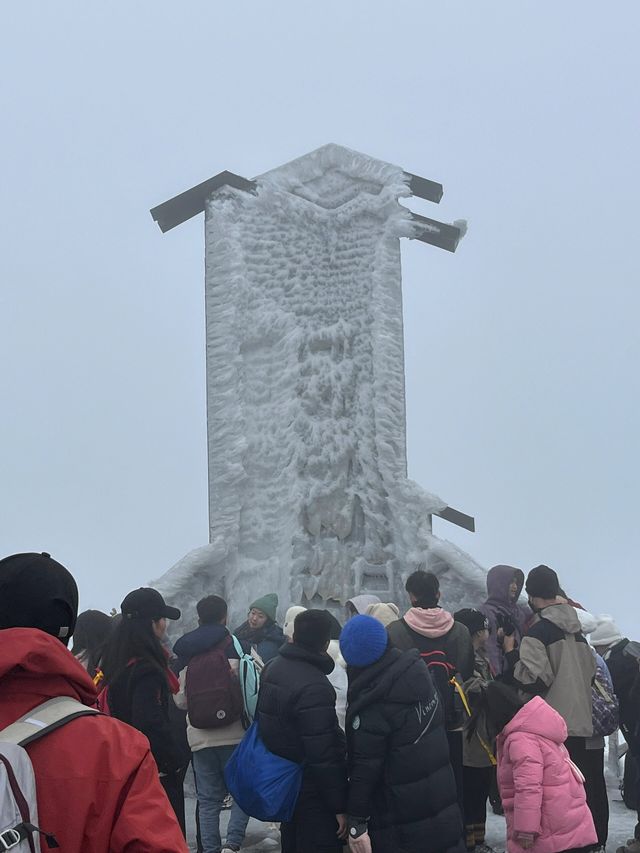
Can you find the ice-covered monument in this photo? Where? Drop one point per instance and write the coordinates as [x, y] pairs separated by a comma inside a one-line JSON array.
[[308, 487]]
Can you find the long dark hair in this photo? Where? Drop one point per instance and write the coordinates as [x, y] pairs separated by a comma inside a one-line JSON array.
[[494, 709], [92, 631], [132, 639]]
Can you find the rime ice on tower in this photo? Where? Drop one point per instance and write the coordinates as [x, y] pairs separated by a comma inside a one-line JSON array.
[[308, 488]]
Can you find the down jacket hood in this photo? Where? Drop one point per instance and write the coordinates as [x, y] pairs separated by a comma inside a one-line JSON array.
[[38, 665], [434, 622], [498, 604], [538, 718], [361, 602], [384, 680], [498, 582]]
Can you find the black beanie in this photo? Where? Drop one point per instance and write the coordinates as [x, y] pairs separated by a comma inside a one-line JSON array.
[[312, 629], [38, 592], [542, 582]]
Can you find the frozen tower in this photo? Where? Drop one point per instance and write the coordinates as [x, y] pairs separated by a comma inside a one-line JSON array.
[[308, 488]]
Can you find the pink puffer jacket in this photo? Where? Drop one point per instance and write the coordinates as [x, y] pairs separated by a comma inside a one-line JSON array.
[[542, 790]]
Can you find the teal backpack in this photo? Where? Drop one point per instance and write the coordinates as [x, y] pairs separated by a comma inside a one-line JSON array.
[[249, 677]]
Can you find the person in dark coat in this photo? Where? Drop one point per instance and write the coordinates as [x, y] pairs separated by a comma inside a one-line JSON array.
[[504, 611], [622, 657], [402, 790], [445, 646], [297, 720], [260, 633], [478, 771], [139, 684]]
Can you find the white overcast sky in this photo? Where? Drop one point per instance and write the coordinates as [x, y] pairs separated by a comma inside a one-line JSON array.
[[522, 349]]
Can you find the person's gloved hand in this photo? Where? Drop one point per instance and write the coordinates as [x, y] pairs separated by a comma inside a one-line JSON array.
[[525, 839], [361, 844]]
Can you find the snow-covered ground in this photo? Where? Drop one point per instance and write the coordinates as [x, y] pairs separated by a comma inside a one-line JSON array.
[[261, 837]]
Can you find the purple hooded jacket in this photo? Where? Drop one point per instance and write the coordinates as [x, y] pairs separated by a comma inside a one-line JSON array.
[[498, 582]]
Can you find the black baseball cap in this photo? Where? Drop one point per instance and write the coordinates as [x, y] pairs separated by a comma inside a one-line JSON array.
[[147, 603], [38, 592], [473, 619]]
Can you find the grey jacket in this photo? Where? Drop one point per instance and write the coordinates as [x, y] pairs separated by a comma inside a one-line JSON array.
[[555, 661], [479, 751]]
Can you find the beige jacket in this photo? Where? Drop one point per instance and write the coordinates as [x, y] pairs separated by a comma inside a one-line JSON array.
[[555, 661]]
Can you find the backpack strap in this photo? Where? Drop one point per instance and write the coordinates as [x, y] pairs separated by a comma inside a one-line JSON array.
[[45, 718], [236, 645]]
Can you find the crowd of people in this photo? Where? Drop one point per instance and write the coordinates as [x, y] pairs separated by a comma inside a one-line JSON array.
[[399, 730]]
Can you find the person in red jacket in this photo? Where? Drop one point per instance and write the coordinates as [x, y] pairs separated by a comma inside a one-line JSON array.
[[97, 784]]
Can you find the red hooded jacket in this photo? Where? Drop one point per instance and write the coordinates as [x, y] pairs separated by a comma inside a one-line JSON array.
[[97, 784]]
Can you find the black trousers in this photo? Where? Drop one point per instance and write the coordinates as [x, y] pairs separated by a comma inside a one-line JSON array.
[[477, 784], [173, 786], [313, 828], [591, 763], [455, 757], [632, 778]]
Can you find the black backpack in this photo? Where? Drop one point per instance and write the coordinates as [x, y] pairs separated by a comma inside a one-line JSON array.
[[443, 672]]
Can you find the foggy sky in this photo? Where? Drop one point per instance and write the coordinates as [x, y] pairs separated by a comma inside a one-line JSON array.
[[522, 349]]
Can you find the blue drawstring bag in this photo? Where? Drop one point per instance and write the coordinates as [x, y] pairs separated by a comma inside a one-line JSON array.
[[264, 785]]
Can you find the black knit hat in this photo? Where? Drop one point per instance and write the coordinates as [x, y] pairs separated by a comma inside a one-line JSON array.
[[38, 592], [312, 629], [542, 582], [473, 619]]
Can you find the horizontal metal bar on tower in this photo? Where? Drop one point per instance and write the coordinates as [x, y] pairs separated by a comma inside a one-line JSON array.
[[456, 517], [423, 188], [437, 233], [191, 202]]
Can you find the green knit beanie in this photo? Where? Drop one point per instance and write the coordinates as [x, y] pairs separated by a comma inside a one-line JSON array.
[[268, 604]]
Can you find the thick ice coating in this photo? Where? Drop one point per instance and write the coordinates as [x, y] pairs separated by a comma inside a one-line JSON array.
[[309, 495]]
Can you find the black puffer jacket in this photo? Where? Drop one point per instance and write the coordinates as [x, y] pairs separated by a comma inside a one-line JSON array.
[[626, 684], [297, 720], [139, 696], [399, 767]]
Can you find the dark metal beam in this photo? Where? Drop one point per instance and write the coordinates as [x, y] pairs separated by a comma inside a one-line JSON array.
[[437, 233], [457, 517], [191, 202], [421, 187]]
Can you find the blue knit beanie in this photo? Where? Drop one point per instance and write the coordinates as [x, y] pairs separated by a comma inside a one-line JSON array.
[[363, 641]]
